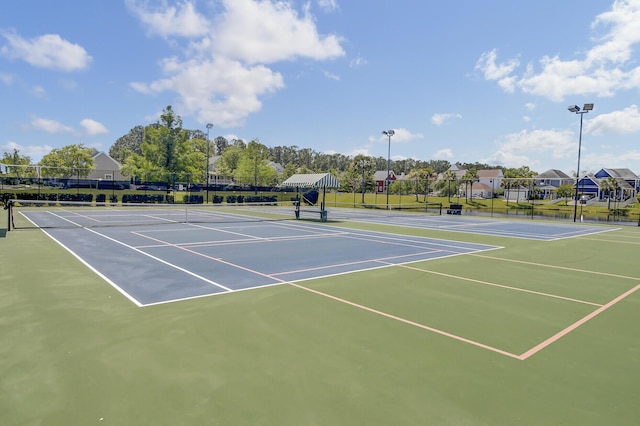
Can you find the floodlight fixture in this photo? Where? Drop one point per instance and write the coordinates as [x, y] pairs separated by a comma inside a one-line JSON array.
[[585, 109], [206, 173], [388, 133]]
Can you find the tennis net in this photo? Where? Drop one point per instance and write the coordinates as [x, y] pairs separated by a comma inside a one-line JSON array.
[[354, 211], [76, 214]]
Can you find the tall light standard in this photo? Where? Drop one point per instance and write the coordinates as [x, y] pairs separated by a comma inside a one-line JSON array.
[[206, 177], [576, 109], [492, 197], [388, 133]]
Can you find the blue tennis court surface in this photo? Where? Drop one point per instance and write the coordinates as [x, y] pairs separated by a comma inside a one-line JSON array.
[[518, 228], [159, 264], [227, 252]]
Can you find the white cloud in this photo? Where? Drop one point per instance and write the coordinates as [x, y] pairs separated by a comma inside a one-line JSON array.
[[594, 161], [49, 126], [182, 20], [357, 151], [530, 106], [331, 76], [358, 61], [328, 5], [508, 159], [48, 51], [440, 119], [38, 92], [268, 32], [551, 143], [222, 91], [93, 127], [35, 152], [620, 122], [497, 72], [225, 72], [602, 71], [443, 154], [400, 135]]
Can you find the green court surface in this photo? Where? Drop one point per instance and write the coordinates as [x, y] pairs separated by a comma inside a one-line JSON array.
[[534, 333]]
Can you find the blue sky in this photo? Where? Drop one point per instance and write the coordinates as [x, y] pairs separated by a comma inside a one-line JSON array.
[[460, 81]]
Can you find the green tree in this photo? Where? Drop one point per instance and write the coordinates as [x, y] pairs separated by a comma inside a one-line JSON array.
[[220, 144], [127, 144], [168, 151], [228, 161], [289, 170], [610, 185], [253, 167], [70, 160], [421, 178], [362, 166], [351, 181], [450, 183], [468, 179], [438, 166], [18, 164], [565, 191]]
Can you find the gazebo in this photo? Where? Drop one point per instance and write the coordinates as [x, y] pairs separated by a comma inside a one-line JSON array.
[[312, 181]]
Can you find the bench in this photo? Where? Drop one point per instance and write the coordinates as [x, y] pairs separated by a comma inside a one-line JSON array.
[[322, 213], [455, 209]]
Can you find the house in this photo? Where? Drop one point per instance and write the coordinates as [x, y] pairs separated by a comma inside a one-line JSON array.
[[456, 169], [488, 181], [106, 168], [277, 167], [381, 178], [629, 182], [589, 186], [548, 181]]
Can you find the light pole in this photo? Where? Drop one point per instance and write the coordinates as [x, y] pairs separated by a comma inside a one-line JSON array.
[[206, 176], [492, 197], [388, 133], [576, 109]]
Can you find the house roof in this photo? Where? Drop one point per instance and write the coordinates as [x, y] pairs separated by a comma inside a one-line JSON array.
[[489, 173], [619, 173], [480, 186], [97, 154], [311, 180], [553, 174], [382, 175]]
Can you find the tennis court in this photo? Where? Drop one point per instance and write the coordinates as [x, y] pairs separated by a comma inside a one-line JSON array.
[[194, 260], [371, 318]]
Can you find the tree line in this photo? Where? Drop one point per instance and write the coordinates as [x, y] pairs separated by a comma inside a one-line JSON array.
[[162, 149]]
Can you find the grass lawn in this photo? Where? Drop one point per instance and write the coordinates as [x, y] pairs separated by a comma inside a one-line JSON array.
[[391, 346]]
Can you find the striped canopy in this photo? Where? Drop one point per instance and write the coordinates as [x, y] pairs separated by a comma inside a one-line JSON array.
[[311, 180]]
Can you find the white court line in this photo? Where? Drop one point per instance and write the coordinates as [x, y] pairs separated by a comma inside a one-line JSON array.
[[88, 265], [186, 271], [384, 260], [214, 243]]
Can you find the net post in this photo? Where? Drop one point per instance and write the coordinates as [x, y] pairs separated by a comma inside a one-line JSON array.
[[9, 207]]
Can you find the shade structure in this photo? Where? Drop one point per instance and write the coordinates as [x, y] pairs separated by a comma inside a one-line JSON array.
[[311, 180]]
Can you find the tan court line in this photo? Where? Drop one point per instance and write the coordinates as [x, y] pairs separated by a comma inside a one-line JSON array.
[[473, 280], [545, 265]]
